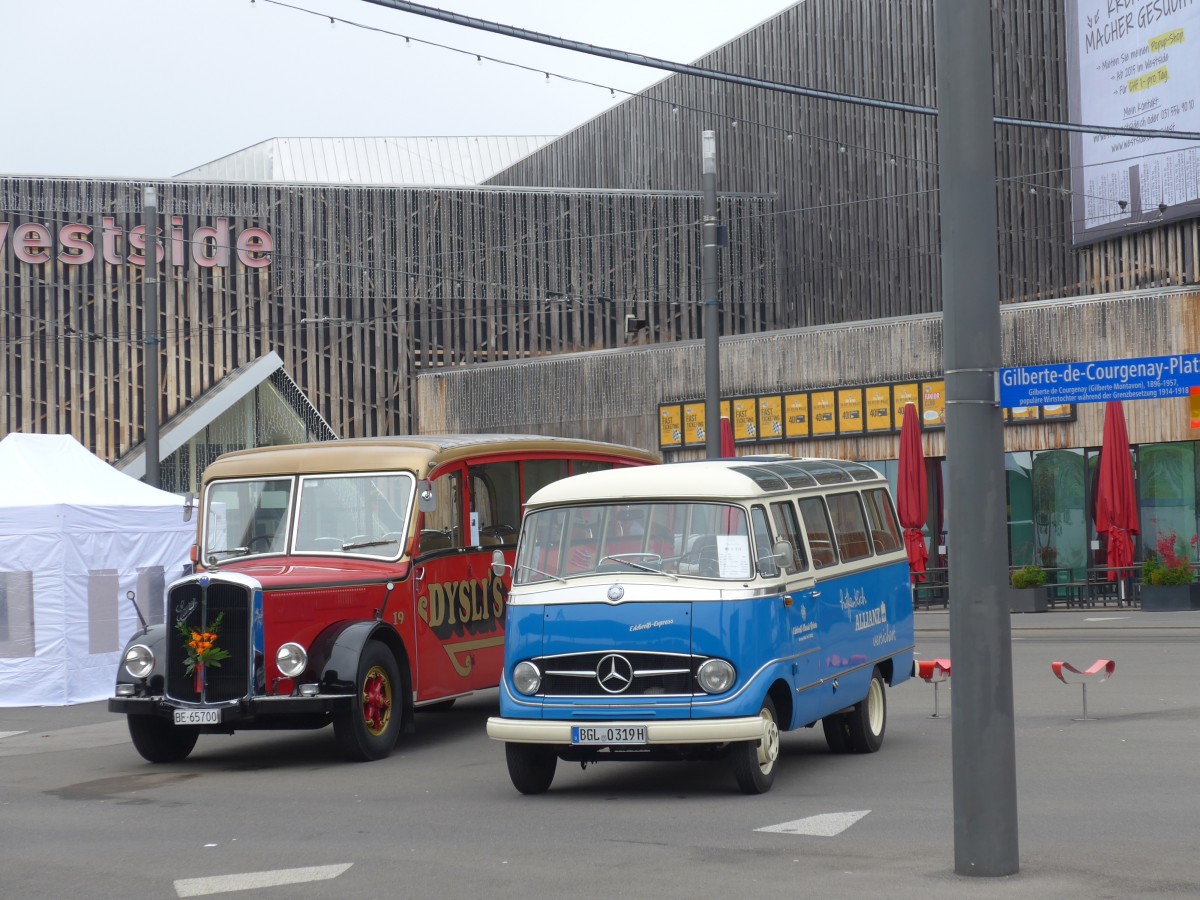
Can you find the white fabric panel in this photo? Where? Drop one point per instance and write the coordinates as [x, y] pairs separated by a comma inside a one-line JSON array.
[[81, 541]]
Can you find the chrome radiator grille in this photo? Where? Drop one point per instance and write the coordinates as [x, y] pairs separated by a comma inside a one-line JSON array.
[[198, 607], [618, 673]]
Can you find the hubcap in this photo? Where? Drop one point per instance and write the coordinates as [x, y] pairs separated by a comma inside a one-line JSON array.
[[377, 700], [768, 747]]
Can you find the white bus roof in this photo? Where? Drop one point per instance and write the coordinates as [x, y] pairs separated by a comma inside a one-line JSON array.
[[745, 478]]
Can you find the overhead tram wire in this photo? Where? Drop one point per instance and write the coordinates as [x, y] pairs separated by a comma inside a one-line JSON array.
[[652, 62]]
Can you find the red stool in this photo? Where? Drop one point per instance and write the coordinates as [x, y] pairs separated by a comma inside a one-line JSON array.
[[932, 671], [1099, 671]]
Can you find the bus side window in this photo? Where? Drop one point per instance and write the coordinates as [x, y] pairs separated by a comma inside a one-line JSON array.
[[885, 532], [816, 524], [788, 528], [441, 529], [767, 567], [850, 526], [496, 501]]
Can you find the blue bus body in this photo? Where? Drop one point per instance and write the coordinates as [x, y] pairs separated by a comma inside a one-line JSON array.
[[627, 647]]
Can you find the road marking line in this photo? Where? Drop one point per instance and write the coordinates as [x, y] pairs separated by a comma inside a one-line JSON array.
[[220, 884], [826, 825], [1107, 618], [4, 734]]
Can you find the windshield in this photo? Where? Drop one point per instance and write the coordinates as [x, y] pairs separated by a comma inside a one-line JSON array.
[[360, 515], [700, 540]]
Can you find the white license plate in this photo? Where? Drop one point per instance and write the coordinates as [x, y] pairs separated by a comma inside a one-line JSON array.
[[608, 734], [197, 717]]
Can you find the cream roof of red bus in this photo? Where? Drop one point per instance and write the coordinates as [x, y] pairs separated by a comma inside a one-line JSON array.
[[415, 453], [746, 478]]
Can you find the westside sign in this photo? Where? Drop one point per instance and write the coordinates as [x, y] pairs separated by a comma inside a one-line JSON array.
[[1148, 378], [208, 246]]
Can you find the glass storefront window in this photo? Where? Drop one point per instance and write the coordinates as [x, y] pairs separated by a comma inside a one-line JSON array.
[[1167, 493], [1060, 516]]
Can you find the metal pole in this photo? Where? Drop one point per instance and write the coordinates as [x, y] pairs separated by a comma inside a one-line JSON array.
[[712, 306], [151, 350], [981, 704]]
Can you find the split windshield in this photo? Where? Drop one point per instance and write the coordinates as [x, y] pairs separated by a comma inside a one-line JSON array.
[[700, 540], [358, 515]]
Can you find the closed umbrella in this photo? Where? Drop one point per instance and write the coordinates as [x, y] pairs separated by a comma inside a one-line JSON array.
[[728, 451], [1116, 512], [912, 500]]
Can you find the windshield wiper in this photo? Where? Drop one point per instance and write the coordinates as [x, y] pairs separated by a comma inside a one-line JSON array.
[[620, 557], [230, 551], [375, 543], [558, 578]]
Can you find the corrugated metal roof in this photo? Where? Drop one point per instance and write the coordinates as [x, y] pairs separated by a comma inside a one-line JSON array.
[[367, 160]]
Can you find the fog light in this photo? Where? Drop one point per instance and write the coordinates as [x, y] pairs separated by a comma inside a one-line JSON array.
[[124, 690], [291, 659], [526, 677], [139, 660], [309, 690]]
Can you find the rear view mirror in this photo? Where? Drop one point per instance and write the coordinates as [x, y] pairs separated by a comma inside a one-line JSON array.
[[189, 503], [425, 501], [499, 566], [784, 554]]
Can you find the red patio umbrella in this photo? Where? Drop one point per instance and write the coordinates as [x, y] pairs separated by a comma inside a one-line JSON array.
[[1116, 505], [728, 451], [912, 499]]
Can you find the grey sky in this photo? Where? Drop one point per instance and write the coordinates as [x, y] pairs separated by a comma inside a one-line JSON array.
[[149, 88]]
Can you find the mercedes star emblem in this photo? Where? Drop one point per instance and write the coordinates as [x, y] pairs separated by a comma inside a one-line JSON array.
[[615, 593], [615, 673]]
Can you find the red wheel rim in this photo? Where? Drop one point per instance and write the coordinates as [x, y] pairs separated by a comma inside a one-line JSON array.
[[377, 700]]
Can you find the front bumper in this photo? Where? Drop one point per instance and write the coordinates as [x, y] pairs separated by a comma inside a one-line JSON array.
[[241, 712], [680, 731]]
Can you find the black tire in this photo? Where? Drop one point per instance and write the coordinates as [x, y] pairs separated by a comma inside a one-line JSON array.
[[754, 761], [160, 741], [837, 733], [369, 729], [867, 722], [531, 766]]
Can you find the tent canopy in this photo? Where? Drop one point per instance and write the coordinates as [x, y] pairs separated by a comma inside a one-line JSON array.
[[75, 536]]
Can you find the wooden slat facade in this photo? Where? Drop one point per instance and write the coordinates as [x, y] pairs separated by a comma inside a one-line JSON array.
[[366, 286]]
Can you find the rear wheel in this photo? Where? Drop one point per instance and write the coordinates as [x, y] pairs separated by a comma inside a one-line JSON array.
[[531, 766], [837, 733], [368, 730], [160, 741], [868, 720], [754, 761]]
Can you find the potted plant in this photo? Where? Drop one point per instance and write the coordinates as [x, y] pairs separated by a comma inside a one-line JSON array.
[[1168, 580], [1031, 594]]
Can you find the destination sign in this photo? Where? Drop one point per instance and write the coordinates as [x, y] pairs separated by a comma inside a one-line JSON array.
[[1149, 378]]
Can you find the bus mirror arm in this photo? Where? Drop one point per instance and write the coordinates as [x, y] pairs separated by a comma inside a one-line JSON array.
[[783, 554]]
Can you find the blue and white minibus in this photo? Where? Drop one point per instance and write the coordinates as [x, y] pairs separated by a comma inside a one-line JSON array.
[[693, 610]]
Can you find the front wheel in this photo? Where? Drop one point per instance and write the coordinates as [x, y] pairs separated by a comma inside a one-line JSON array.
[[531, 766], [368, 730], [754, 761], [160, 741]]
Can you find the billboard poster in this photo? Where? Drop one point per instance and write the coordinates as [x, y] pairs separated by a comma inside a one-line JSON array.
[[902, 395], [850, 411], [879, 408], [824, 420], [745, 419], [670, 426], [770, 418], [1133, 64], [933, 403], [795, 423]]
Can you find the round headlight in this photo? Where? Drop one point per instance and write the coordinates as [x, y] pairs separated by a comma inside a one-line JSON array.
[[139, 660], [715, 675], [291, 660], [526, 678]]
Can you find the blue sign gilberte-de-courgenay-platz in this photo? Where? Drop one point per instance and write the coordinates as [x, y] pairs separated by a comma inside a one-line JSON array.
[[1149, 378]]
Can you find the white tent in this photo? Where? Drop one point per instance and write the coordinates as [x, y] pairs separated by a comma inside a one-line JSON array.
[[75, 536]]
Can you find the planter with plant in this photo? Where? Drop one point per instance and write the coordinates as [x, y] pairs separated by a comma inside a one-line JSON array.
[[1168, 580], [1031, 594]]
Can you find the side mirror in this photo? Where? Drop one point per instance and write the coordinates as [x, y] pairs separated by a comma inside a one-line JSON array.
[[189, 503], [784, 554], [425, 501], [499, 566]]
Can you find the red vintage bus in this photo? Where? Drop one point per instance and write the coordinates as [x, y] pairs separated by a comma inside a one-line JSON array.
[[346, 582]]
